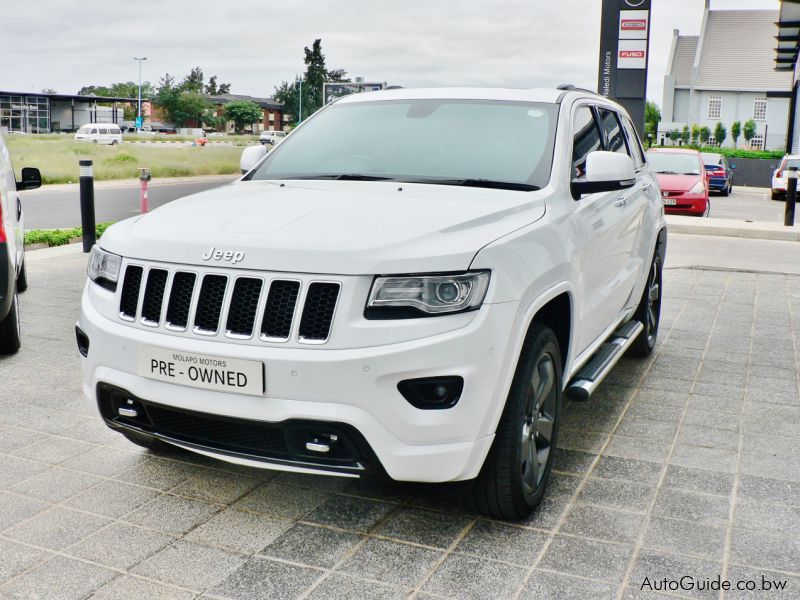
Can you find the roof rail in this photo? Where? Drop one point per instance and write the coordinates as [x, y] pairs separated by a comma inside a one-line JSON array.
[[393, 87], [568, 87]]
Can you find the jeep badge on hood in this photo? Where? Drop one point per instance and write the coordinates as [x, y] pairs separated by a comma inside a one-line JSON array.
[[229, 255]]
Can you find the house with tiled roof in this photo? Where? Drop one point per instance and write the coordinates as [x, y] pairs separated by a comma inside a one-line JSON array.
[[727, 74]]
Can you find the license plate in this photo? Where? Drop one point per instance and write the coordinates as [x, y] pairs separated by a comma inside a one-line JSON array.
[[232, 375], [669, 202]]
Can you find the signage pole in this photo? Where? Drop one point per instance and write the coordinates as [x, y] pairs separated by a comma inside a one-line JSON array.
[[624, 55]]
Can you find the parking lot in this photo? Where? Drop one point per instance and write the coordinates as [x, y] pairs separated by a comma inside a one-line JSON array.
[[687, 464]]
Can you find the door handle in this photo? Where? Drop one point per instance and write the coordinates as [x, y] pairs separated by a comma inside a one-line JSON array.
[[646, 187], [19, 208], [620, 201]]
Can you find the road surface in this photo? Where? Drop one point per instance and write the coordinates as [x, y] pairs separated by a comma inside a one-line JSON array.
[[60, 208]]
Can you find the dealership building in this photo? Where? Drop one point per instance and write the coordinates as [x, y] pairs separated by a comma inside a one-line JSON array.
[[720, 77], [25, 112]]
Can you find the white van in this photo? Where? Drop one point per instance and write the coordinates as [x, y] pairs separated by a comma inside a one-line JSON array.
[[100, 133], [271, 137]]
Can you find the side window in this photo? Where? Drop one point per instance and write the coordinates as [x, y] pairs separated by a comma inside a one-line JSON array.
[[633, 143], [586, 139], [103, 131], [94, 131], [612, 131]]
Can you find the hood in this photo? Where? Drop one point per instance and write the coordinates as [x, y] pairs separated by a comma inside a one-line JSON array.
[[677, 183], [331, 227]]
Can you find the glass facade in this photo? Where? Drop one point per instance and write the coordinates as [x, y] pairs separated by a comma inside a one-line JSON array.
[[27, 114]]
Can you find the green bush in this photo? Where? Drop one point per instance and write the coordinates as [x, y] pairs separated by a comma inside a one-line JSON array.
[[60, 237]]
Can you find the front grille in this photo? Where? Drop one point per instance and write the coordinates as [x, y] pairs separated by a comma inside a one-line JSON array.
[[239, 435], [279, 310], [129, 298], [318, 311], [242, 314], [154, 296], [176, 299], [209, 303]]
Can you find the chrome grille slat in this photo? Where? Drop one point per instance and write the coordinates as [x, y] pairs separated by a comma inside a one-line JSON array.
[[230, 305]]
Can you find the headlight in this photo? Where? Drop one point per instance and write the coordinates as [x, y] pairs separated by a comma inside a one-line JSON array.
[[405, 297], [104, 268], [698, 188]]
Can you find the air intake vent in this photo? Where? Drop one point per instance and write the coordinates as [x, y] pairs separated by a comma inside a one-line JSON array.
[[244, 303], [154, 296], [315, 325], [129, 298], [209, 304], [279, 310], [180, 300]]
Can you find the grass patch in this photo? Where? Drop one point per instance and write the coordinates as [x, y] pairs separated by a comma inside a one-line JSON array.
[[59, 237], [57, 158]]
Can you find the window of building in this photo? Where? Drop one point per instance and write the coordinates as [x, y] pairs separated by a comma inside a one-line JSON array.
[[757, 143], [760, 109], [586, 139], [271, 117], [715, 107]]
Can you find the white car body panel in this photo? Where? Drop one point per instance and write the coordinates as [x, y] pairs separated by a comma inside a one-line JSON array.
[[538, 246]]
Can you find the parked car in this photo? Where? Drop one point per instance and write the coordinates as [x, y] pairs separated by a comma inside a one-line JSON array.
[[719, 173], [13, 274], [100, 133], [271, 137], [682, 179], [780, 176], [362, 304]]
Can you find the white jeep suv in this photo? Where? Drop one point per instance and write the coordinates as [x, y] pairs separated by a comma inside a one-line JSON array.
[[379, 295]]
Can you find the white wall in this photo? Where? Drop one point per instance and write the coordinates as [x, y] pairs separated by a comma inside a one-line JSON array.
[[736, 106]]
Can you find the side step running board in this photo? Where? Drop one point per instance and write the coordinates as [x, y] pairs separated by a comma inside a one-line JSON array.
[[594, 371]]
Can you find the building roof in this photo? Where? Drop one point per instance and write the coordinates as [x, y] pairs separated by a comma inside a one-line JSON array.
[[735, 51], [71, 97], [262, 102]]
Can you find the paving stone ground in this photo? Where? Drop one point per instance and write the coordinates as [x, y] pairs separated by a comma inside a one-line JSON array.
[[687, 464]]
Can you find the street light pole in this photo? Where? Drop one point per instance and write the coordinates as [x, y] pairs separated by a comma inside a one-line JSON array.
[[139, 116], [300, 116]]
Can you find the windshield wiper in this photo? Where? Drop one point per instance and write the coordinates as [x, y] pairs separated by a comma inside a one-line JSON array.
[[667, 172], [342, 177], [483, 183]]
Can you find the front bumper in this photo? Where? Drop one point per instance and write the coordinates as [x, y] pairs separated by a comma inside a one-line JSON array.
[[354, 387], [686, 204]]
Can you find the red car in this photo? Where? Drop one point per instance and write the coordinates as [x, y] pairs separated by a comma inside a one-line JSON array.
[[682, 177]]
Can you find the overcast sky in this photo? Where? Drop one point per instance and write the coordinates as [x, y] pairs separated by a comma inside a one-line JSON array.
[[255, 44]]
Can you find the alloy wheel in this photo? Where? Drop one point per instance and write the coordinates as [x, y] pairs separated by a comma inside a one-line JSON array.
[[653, 302], [537, 425]]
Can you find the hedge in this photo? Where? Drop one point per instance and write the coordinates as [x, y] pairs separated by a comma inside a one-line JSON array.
[[59, 237]]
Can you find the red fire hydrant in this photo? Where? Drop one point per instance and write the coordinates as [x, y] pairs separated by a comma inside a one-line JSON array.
[[144, 178]]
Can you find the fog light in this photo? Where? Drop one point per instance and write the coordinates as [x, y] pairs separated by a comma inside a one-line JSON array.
[[432, 393], [83, 341]]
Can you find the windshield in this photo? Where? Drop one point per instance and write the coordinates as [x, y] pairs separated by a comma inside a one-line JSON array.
[[711, 160], [456, 142], [84, 129], [674, 163]]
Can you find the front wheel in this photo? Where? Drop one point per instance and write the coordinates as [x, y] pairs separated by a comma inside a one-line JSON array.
[[649, 311], [517, 470]]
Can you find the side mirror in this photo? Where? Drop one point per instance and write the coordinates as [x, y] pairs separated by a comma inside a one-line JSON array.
[[732, 166], [251, 156], [31, 179], [605, 172]]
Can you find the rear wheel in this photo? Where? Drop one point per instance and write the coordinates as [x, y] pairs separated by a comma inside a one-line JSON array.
[[517, 470], [726, 190], [776, 195], [649, 311], [10, 330], [22, 278]]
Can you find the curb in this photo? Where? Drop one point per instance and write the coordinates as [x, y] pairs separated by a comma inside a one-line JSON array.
[[758, 230], [123, 183]]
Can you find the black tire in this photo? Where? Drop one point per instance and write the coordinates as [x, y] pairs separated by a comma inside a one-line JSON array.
[[10, 334], [145, 441], [514, 477], [777, 196], [726, 190], [649, 311], [22, 278]]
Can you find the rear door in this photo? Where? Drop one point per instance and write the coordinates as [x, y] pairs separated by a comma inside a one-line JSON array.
[[11, 205]]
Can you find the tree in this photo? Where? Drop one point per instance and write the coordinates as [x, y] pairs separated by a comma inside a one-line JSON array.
[[193, 82], [212, 121], [720, 133], [705, 135], [695, 134], [652, 117], [674, 135], [180, 105], [749, 130], [736, 131], [243, 113], [315, 76], [685, 135], [49, 91], [212, 89]]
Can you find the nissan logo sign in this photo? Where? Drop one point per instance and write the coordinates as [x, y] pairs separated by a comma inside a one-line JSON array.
[[634, 3]]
